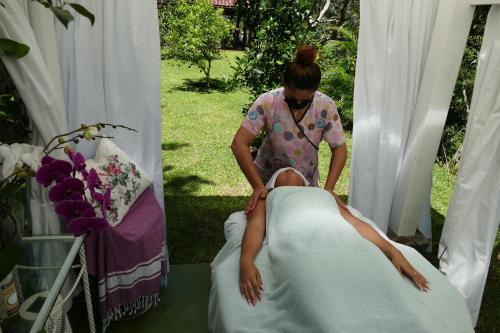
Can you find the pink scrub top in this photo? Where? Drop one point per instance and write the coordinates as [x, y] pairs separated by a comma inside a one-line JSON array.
[[286, 141]]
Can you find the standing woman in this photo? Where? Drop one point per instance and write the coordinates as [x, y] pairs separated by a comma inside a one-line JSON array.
[[295, 119]]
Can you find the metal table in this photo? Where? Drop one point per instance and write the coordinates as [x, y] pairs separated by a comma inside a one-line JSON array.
[[53, 299]]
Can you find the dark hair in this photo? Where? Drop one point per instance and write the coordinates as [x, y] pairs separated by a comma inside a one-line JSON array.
[[303, 72]]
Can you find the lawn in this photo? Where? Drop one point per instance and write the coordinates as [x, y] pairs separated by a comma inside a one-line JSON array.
[[203, 184]]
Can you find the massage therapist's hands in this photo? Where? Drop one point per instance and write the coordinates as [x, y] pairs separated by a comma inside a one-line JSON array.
[[251, 285], [339, 201], [258, 193], [404, 267]]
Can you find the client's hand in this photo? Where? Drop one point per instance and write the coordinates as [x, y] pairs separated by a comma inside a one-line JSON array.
[[250, 282], [258, 193], [404, 267]]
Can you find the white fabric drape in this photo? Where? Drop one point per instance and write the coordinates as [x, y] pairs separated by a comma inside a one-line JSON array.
[[111, 73], [394, 38], [80, 56], [31, 74], [473, 217], [132, 73], [36, 78]]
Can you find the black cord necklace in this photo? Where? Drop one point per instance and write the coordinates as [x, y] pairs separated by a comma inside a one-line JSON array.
[[301, 129], [295, 113]]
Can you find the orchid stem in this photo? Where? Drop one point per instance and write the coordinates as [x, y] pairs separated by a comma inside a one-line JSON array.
[[82, 128]]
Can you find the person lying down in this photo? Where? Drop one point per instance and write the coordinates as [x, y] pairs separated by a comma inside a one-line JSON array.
[[251, 284], [304, 265]]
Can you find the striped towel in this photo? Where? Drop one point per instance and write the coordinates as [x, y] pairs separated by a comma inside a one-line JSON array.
[[130, 261]]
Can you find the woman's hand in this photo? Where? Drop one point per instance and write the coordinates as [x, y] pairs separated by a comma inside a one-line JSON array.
[[251, 285], [404, 267], [258, 193], [339, 201]]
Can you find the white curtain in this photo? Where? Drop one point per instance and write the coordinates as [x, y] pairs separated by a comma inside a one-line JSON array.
[[36, 77], [473, 217], [394, 38], [80, 57], [111, 73]]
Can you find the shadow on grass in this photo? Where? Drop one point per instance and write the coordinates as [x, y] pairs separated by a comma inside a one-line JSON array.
[[185, 185], [195, 226], [174, 146], [200, 86]]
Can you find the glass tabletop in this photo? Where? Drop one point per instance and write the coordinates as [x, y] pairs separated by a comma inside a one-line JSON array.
[[35, 291]]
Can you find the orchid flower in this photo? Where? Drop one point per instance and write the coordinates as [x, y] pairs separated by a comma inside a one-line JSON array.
[[54, 170], [69, 188], [83, 224], [14, 156]]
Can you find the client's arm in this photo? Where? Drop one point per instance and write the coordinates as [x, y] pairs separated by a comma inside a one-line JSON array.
[[250, 282], [396, 257]]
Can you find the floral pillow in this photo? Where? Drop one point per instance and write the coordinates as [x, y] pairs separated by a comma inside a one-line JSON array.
[[126, 179]]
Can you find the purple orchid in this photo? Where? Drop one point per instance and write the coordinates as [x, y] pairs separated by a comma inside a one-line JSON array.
[[83, 224], [77, 159], [47, 159], [104, 199], [93, 180], [68, 192], [70, 209], [53, 169], [70, 188]]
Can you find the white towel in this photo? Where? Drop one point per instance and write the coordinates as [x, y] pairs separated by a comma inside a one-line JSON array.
[[272, 180]]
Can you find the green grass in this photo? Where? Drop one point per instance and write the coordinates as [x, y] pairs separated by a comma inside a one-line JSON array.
[[203, 184]]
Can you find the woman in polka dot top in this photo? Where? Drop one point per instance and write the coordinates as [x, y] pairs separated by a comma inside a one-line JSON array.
[[295, 119]]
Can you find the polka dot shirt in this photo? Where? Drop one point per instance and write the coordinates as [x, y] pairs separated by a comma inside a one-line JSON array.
[[286, 142]]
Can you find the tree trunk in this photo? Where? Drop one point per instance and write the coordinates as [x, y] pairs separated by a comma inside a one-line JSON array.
[[207, 73], [236, 41], [342, 19]]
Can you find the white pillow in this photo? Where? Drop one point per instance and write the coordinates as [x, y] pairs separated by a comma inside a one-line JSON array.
[[127, 179]]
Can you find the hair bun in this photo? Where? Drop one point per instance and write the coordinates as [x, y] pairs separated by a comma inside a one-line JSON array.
[[306, 55]]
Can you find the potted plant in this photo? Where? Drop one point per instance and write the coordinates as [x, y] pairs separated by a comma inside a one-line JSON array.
[[17, 163]]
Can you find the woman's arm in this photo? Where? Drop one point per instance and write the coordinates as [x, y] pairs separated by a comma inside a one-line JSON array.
[[337, 163], [241, 150], [250, 280], [396, 257]]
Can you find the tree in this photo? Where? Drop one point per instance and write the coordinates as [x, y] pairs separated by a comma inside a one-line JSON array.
[[248, 14], [285, 25], [337, 59], [195, 32]]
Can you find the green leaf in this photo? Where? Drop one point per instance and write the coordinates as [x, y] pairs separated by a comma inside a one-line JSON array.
[[62, 15], [83, 11], [11, 48]]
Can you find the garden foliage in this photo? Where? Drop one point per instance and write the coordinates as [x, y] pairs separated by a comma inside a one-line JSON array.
[[195, 30]]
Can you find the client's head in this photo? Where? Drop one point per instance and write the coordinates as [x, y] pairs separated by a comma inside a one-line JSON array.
[[289, 178]]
